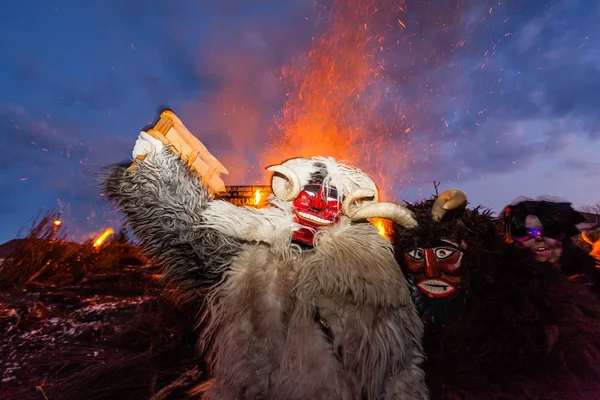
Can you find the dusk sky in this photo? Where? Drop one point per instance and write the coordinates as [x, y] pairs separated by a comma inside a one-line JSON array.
[[500, 99]]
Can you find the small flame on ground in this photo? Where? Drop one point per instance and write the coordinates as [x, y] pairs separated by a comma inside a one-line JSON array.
[[384, 227], [57, 222], [595, 252], [257, 197], [107, 232]]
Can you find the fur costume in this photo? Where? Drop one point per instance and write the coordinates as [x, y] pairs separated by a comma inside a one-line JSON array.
[[516, 328], [284, 321]]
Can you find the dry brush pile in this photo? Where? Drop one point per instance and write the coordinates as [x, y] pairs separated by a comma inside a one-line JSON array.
[[83, 323]]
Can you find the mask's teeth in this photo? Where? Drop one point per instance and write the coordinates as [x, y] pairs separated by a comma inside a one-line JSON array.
[[314, 218]]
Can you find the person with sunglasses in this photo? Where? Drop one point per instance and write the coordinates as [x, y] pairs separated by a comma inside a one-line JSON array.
[[546, 227]]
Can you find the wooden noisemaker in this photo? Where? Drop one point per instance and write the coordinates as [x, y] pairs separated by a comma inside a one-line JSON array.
[[173, 133]]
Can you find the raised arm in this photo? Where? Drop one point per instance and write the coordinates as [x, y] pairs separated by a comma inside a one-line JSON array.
[[164, 201]]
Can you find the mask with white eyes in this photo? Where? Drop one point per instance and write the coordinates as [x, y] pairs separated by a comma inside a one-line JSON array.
[[436, 271]]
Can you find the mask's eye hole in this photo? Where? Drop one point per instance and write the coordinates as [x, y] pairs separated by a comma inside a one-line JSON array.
[[416, 254], [442, 253]]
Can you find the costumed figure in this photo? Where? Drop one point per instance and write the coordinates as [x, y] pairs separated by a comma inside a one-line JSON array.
[[303, 299], [498, 324], [547, 229]]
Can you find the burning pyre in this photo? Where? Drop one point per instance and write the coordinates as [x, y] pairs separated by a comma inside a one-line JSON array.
[[335, 92], [336, 95]]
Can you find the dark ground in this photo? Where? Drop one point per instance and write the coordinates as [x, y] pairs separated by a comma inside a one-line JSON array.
[[113, 336], [78, 322]]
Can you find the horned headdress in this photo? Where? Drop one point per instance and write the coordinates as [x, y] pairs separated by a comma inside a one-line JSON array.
[[357, 191]]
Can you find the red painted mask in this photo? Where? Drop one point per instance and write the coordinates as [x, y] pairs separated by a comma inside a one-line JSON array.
[[314, 208], [436, 271]]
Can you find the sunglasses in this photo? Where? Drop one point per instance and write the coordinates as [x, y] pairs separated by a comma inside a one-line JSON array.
[[529, 233]]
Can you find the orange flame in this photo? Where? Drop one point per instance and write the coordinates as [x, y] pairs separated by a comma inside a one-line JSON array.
[[57, 222], [595, 252], [331, 103], [384, 227], [257, 197], [107, 232]]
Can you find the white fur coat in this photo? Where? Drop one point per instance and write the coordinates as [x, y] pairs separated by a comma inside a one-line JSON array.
[[334, 322]]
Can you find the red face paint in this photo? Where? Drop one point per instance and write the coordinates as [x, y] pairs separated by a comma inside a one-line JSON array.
[[316, 206]]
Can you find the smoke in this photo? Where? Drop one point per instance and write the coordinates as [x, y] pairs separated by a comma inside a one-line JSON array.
[[242, 60]]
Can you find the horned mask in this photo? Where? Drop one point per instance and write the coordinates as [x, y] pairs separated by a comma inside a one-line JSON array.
[[431, 254], [322, 190]]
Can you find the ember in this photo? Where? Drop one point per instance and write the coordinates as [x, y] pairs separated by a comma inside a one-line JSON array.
[[107, 232]]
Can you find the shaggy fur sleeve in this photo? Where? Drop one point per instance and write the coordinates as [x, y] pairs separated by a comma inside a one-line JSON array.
[[531, 335], [163, 202]]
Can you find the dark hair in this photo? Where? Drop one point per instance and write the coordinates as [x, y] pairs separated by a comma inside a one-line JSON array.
[[556, 217]]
